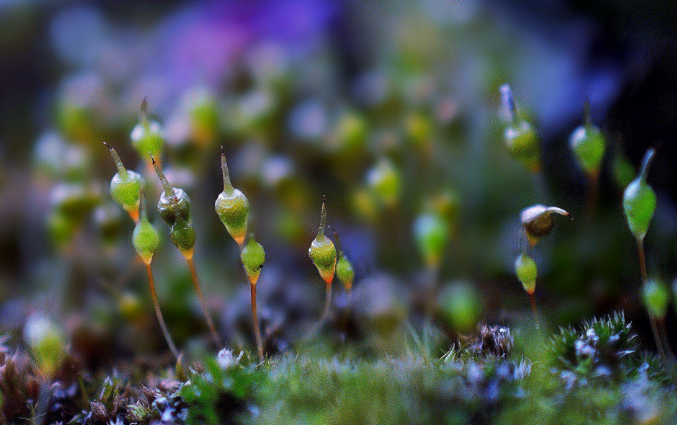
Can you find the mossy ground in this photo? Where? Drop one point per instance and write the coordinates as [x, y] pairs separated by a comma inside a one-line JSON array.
[[594, 373]]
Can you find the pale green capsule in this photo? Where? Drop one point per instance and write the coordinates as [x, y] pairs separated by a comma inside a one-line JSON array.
[[526, 270], [232, 206], [656, 298], [639, 200], [322, 251], [253, 256]]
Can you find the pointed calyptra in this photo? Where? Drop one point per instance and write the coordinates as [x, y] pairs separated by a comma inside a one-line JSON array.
[[526, 271], [173, 200], [520, 136], [432, 233], [538, 221], [125, 186], [232, 206], [639, 200], [253, 256], [145, 238], [147, 135], [322, 251], [588, 144], [656, 298]]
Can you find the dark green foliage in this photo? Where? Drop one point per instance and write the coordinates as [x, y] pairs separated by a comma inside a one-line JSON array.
[[602, 349], [222, 393]]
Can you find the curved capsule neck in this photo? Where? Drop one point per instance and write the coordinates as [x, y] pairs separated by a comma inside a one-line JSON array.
[[323, 222], [227, 185], [509, 101], [143, 116], [165, 184], [122, 171], [646, 163], [587, 119]]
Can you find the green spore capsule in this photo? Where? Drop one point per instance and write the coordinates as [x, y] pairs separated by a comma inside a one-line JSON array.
[[232, 206], [145, 237], [526, 271], [253, 256], [520, 137], [147, 135], [656, 298], [384, 181], [432, 234], [173, 200], [108, 223], [588, 145], [345, 271], [125, 186], [461, 305], [350, 132], [74, 201], [639, 200], [61, 229], [182, 236], [46, 341], [322, 251]]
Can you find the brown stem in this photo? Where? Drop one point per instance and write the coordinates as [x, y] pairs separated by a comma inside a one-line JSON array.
[[642, 260], [645, 277], [534, 310], [203, 302], [255, 320], [664, 338], [158, 312], [593, 194], [657, 338]]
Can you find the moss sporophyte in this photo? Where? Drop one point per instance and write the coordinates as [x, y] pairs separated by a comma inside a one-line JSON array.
[[588, 145], [174, 207], [125, 186], [253, 256], [537, 222], [431, 232], [520, 137], [147, 135], [639, 205], [146, 241], [232, 206], [323, 254]]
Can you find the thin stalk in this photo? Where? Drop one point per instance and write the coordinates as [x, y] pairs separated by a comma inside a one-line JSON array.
[[593, 194], [255, 320], [642, 260], [534, 310], [158, 312], [325, 313], [645, 277], [203, 302], [664, 338]]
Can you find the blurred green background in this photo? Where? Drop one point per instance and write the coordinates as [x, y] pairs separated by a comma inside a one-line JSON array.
[[390, 109]]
